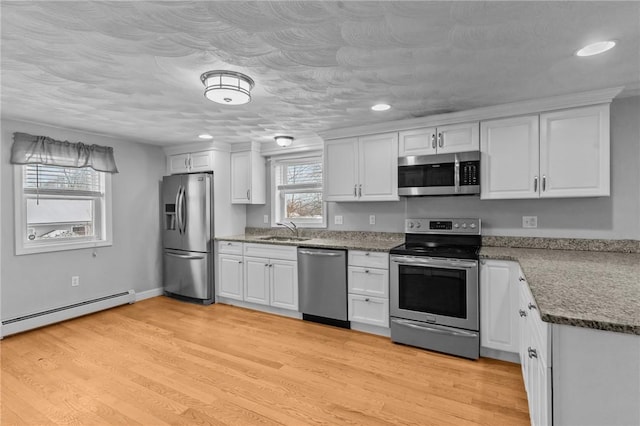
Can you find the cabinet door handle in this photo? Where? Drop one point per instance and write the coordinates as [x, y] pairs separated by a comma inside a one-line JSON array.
[[532, 352], [535, 184], [433, 140], [360, 190], [544, 183], [248, 194], [190, 163], [440, 139], [522, 313], [532, 306], [355, 190], [186, 162]]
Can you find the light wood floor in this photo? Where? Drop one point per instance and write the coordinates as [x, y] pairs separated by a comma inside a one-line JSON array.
[[161, 361]]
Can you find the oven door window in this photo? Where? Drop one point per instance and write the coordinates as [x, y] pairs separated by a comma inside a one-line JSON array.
[[426, 175], [437, 291]]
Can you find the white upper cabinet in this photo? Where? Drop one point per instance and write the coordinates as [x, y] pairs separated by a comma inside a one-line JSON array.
[[248, 176], [190, 162], [556, 154], [509, 158], [361, 169], [574, 152], [441, 140]]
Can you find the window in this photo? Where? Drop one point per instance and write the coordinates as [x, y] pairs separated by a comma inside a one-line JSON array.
[[61, 208], [297, 192]]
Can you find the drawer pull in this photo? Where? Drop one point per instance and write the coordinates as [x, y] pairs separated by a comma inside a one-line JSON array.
[[532, 352], [532, 306], [522, 313]]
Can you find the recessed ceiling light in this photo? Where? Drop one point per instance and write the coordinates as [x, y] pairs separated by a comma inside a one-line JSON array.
[[596, 48], [381, 107], [205, 136]]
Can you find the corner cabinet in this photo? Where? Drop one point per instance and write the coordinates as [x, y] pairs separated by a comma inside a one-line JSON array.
[[499, 301], [440, 140], [248, 176], [550, 155], [190, 162], [361, 168]]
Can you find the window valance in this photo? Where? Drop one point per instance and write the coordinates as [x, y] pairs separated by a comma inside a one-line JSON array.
[[29, 149]]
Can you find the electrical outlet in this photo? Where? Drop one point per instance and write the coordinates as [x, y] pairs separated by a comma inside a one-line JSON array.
[[75, 281], [265, 219], [529, 221], [372, 219], [337, 220]]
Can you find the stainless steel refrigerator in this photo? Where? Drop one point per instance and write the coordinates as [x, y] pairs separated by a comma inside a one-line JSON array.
[[187, 237]]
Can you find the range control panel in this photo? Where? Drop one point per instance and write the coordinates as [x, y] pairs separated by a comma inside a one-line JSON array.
[[469, 226]]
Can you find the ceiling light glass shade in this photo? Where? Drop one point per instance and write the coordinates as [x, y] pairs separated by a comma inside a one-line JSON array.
[[284, 141], [381, 107], [227, 87], [205, 136], [596, 48]]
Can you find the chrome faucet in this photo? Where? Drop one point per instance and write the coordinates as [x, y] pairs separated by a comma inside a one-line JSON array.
[[291, 227]]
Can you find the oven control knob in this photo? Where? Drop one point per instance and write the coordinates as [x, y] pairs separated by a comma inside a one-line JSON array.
[[473, 226], [418, 225], [464, 226], [455, 225], [410, 224]]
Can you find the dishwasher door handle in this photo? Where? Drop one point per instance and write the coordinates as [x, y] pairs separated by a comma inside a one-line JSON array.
[[320, 253]]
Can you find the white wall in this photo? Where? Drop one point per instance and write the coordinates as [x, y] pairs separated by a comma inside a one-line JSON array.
[[614, 217], [33, 282]]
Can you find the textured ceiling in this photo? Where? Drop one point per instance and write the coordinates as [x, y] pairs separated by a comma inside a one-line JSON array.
[[131, 69]]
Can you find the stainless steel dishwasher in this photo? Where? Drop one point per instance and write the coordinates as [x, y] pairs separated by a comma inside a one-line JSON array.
[[322, 282]]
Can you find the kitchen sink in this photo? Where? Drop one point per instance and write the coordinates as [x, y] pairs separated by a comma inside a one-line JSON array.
[[277, 238]]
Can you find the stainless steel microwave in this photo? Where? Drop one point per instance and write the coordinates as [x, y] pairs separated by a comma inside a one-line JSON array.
[[439, 174]]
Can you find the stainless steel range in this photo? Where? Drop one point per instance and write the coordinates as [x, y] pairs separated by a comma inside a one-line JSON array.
[[434, 299]]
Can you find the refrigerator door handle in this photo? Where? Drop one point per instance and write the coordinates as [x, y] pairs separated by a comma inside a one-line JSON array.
[[183, 256], [179, 209], [183, 209]]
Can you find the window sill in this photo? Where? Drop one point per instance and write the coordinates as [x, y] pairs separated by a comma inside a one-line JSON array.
[[71, 245]]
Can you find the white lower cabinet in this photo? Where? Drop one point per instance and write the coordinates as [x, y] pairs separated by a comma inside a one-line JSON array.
[[230, 270], [256, 283], [535, 356], [499, 300], [368, 288], [284, 284], [271, 280]]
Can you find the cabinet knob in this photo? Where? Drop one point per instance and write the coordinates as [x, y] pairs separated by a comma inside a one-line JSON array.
[[366, 271], [532, 306], [521, 279], [532, 352], [366, 300], [522, 313], [367, 254]]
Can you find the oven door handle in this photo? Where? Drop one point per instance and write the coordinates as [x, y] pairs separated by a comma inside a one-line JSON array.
[[411, 324], [429, 261]]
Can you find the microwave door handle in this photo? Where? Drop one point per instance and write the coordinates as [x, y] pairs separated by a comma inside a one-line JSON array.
[[456, 174], [410, 324]]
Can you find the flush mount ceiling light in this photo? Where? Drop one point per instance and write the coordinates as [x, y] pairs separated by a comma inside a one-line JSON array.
[[381, 107], [284, 141], [596, 48], [227, 87], [205, 136]]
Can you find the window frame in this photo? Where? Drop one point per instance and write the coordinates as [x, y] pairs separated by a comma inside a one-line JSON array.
[[277, 195], [103, 212]]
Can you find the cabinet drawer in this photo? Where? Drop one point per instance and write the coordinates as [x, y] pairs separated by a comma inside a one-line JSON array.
[[369, 310], [271, 251], [369, 259], [369, 281], [230, 247]]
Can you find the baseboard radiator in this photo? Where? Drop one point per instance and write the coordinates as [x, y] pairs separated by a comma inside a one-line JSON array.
[[51, 316]]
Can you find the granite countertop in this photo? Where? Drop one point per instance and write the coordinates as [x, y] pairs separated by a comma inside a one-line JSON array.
[[599, 290], [367, 241]]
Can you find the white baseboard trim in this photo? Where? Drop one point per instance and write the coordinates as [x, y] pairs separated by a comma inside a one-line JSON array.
[[371, 329], [258, 307], [148, 294], [498, 354]]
